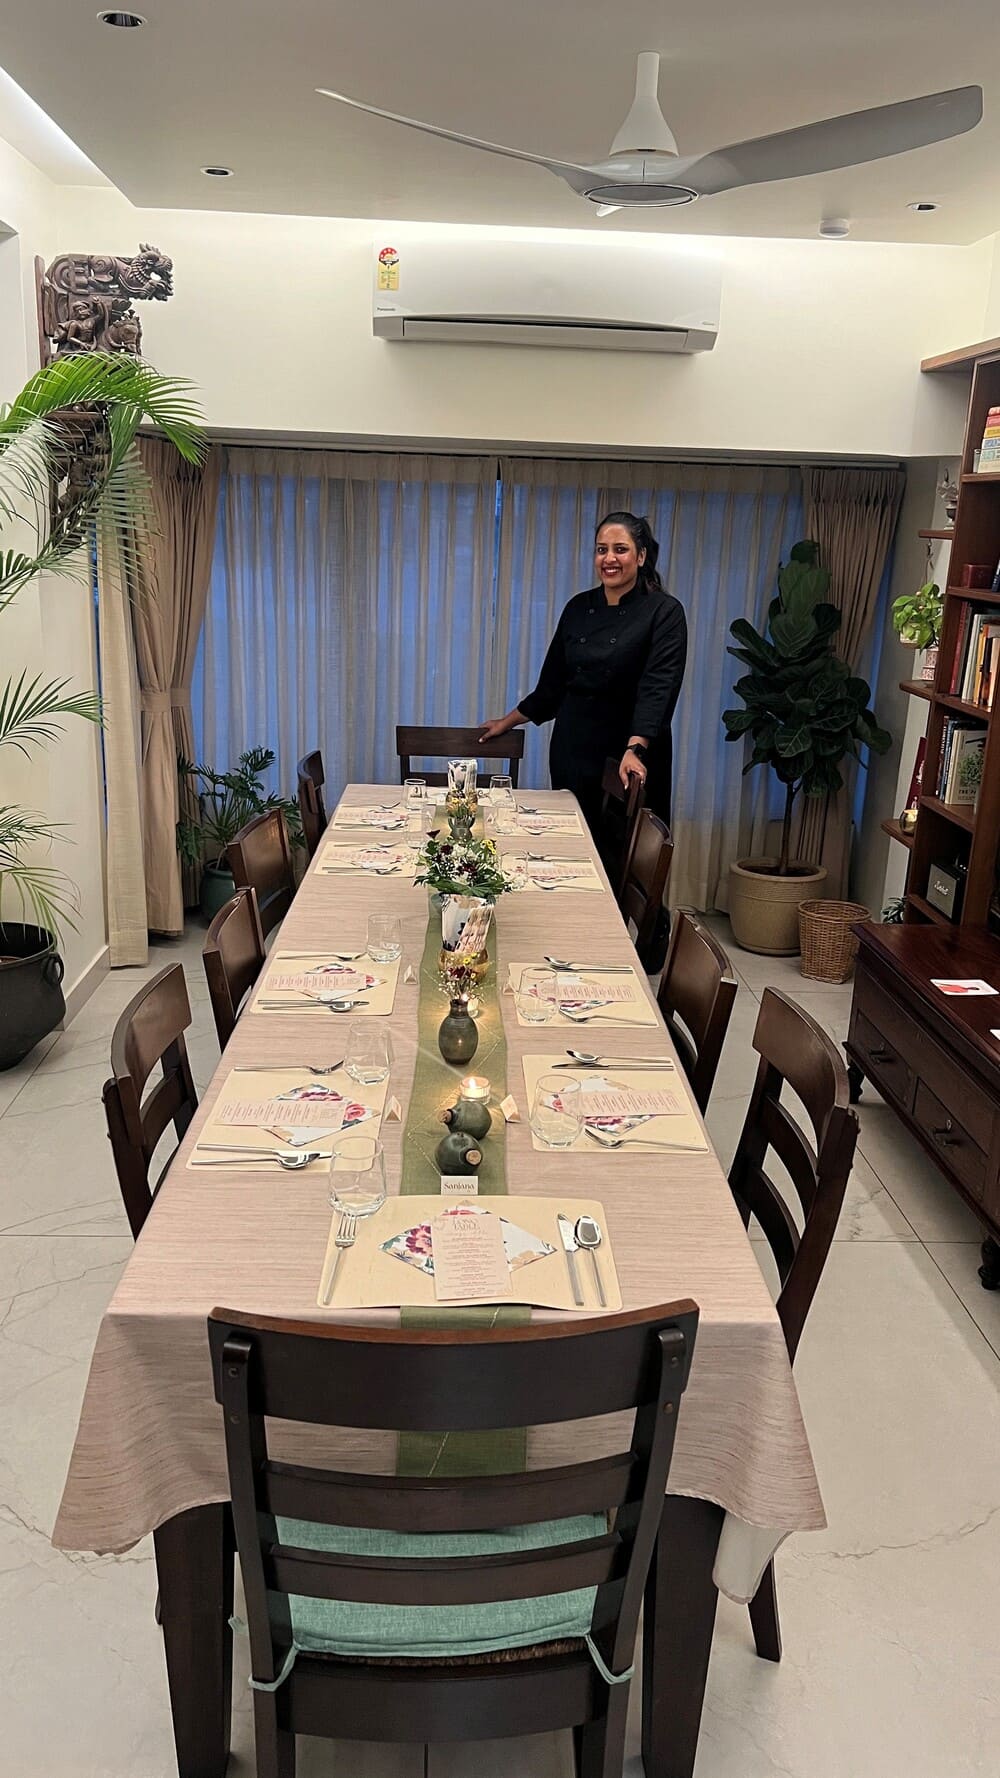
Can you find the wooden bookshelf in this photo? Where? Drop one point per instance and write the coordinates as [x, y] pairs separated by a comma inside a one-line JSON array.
[[895, 832], [938, 534], [918, 688], [947, 833]]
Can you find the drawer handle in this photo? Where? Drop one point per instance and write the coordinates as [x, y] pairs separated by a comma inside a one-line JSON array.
[[946, 1140], [881, 1054]]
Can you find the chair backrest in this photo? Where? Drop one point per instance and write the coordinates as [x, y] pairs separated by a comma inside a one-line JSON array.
[[260, 858], [455, 743], [646, 874], [696, 995], [311, 805], [455, 1380], [150, 1030], [794, 1049], [620, 810], [233, 956]]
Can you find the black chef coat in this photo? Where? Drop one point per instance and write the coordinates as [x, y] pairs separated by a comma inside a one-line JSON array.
[[611, 671]]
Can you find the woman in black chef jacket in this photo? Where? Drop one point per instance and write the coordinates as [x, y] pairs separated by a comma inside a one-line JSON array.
[[612, 674]]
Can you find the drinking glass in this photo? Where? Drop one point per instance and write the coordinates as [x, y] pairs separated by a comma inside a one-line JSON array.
[[357, 1175], [535, 997], [504, 810], [557, 1111], [501, 781], [414, 791], [385, 941], [418, 825], [368, 1053]]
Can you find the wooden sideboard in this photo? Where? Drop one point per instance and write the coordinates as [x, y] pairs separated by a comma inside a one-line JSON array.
[[932, 1057]]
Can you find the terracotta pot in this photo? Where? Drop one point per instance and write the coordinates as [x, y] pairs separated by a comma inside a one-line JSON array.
[[764, 908]]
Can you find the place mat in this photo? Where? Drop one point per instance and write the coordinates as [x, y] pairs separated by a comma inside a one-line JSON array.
[[370, 1278], [386, 860], [679, 1127], [298, 1109], [367, 815], [295, 984], [609, 996], [551, 878]]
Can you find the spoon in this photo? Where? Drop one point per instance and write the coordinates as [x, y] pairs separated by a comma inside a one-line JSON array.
[[316, 1004], [584, 1018], [601, 968], [604, 1140], [587, 1059], [292, 1163], [589, 1237], [272, 1067]]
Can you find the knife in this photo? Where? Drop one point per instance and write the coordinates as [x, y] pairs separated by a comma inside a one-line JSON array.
[[568, 1236]]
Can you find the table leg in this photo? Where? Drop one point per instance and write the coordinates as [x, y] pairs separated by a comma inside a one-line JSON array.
[[678, 1621], [194, 1565]]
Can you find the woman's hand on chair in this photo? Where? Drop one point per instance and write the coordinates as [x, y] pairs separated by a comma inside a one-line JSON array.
[[631, 767], [497, 725]]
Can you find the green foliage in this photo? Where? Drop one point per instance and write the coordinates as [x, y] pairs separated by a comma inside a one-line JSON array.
[[226, 802], [804, 710], [916, 617]]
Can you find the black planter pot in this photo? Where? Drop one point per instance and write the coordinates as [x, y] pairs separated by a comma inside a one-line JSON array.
[[31, 996]]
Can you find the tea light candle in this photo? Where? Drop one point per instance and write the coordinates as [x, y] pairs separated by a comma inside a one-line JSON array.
[[475, 1086]]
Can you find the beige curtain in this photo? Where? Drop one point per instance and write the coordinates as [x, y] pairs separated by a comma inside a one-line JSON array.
[[126, 883], [851, 514], [170, 564]]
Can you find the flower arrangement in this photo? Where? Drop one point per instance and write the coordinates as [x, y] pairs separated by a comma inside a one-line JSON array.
[[463, 867]]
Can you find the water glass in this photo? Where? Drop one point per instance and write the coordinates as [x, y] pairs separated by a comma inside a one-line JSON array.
[[504, 810], [418, 825], [357, 1175], [501, 781], [414, 791], [557, 1111], [535, 996], [385, 942], [368, 1054]]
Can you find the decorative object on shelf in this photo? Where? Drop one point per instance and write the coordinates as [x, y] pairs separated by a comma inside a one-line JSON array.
[[913, 794], [948, 492], [989, 450], [805, 712], [916, 617], [225, 802], [471, 1111], [85, 300], [892, 913], [458, 1152], [827, 942], [458, 1038], [908, 819], [978, 575], [945, 888]]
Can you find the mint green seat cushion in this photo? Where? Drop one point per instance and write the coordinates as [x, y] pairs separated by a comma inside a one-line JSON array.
[[333, 1626]]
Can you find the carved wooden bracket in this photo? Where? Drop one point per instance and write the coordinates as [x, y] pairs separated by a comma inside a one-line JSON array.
[[85, 300]]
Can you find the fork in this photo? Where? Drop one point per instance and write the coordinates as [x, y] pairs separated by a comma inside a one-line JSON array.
[[273, 1067], [641, 1142], [345, 1237]]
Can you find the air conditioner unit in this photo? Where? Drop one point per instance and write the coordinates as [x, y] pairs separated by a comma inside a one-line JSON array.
[[635, 296]]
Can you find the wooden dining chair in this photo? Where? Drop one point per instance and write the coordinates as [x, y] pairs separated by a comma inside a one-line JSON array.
[[696, 996], [260, 858], [312, 808], [646, 877], [570, 1577], [150, 1031], [796, 1052], [233, 955], [620, 810], [455, 743]]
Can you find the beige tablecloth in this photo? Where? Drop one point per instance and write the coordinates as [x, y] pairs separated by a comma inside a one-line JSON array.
[[150, 1441]]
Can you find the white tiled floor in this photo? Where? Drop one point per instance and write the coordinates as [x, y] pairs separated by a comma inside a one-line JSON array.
[[890, 1617]]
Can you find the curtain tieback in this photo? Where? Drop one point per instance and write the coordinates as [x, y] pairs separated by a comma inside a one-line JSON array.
[[155, 702]]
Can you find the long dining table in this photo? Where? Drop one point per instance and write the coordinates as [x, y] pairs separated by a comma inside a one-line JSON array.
[[149, 1454]]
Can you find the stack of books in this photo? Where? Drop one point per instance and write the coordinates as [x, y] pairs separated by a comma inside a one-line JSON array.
[[977, 657], [989, 454], [961, 770]]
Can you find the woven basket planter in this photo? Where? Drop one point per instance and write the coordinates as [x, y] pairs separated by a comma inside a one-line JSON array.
[[826, 941]]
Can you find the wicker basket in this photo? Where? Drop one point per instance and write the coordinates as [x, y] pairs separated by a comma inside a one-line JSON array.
[[827, 943]]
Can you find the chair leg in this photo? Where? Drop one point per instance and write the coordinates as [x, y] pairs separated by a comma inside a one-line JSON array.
[[600, 1745], [764, 1617], [275, 1746]]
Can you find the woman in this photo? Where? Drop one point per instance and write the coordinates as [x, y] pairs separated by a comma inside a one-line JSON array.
[[612, 674]]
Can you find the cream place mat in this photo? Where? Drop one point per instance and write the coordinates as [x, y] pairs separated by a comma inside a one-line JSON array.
[[369, 1278], [563, 875], [369, 815], [281, 1108], [675, 1124], [549, 821], [610, 997], [386, 860], [295, 984]]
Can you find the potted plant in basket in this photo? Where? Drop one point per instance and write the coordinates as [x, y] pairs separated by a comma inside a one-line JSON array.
[[916, 619], [226, 801], [69, 469], [805, 712]]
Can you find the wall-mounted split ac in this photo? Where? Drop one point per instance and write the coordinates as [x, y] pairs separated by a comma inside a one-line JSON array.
[[617, 296]]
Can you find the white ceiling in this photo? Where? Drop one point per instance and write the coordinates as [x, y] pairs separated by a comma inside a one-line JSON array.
[[231, 81]]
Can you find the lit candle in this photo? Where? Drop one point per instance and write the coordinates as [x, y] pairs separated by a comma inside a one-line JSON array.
[[475, 1086]]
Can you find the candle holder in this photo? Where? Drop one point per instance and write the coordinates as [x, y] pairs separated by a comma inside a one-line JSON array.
[[471, 1111]]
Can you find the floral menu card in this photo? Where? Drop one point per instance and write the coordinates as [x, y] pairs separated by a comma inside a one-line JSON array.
[[623, 1103], [285, 1107], [385, 860], [303, 983], [618, 997]]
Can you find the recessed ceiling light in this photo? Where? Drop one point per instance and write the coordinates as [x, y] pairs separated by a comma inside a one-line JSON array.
[[921, 205], [218, 172], [123, 21], [835, 228]]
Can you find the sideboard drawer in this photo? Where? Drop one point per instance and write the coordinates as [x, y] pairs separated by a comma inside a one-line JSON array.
[[904, 1034], [881, 1060], [959, 1153]]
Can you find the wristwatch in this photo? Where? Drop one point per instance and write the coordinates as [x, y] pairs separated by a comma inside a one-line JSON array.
[[640, 750]]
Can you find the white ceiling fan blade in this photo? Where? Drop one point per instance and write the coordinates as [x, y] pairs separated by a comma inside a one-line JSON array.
[[645, 126], [608, 209], [578, 177], [847, 141]]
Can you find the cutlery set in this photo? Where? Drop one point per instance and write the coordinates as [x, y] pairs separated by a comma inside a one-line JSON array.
[[584, 1234]]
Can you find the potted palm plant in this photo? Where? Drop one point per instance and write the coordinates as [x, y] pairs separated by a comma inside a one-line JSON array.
[[805, 713], [226, 802], [68, 467]]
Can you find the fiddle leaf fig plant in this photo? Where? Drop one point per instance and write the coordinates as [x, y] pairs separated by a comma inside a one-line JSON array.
[[803, 708], [916, 617]]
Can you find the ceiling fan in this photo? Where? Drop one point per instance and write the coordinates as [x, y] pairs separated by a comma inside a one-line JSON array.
[[645, 168]]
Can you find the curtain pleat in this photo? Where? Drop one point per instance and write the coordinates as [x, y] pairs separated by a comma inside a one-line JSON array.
[[126, 881]]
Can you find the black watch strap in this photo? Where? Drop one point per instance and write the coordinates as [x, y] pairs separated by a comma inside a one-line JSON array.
[[640, 750]]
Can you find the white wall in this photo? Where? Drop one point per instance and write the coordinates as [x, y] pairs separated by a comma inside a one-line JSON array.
[[818, 353]]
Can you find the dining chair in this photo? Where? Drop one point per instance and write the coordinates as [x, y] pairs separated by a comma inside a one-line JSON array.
[[455, 743], [796, 1052], [233, 955], [454, 1607], [260, 858], [645, 881], [620, 809], [696, 996], [150, 1031], [311, 805]]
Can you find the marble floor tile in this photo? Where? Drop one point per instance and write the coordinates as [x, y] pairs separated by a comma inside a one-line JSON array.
[[960, 1262], [57, 1173]]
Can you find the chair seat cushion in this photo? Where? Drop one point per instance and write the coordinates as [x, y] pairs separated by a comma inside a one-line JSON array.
[[330, 1626]]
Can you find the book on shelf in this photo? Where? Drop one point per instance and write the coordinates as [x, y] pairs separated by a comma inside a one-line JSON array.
[[977, 657], [961, 768]]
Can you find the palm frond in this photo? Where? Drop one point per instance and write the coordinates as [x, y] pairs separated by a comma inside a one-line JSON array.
[[26, 465], [113, 380], [45, 893], [29, 710]]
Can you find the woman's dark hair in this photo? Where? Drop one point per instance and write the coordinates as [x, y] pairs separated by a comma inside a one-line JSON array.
[[641, 535]]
